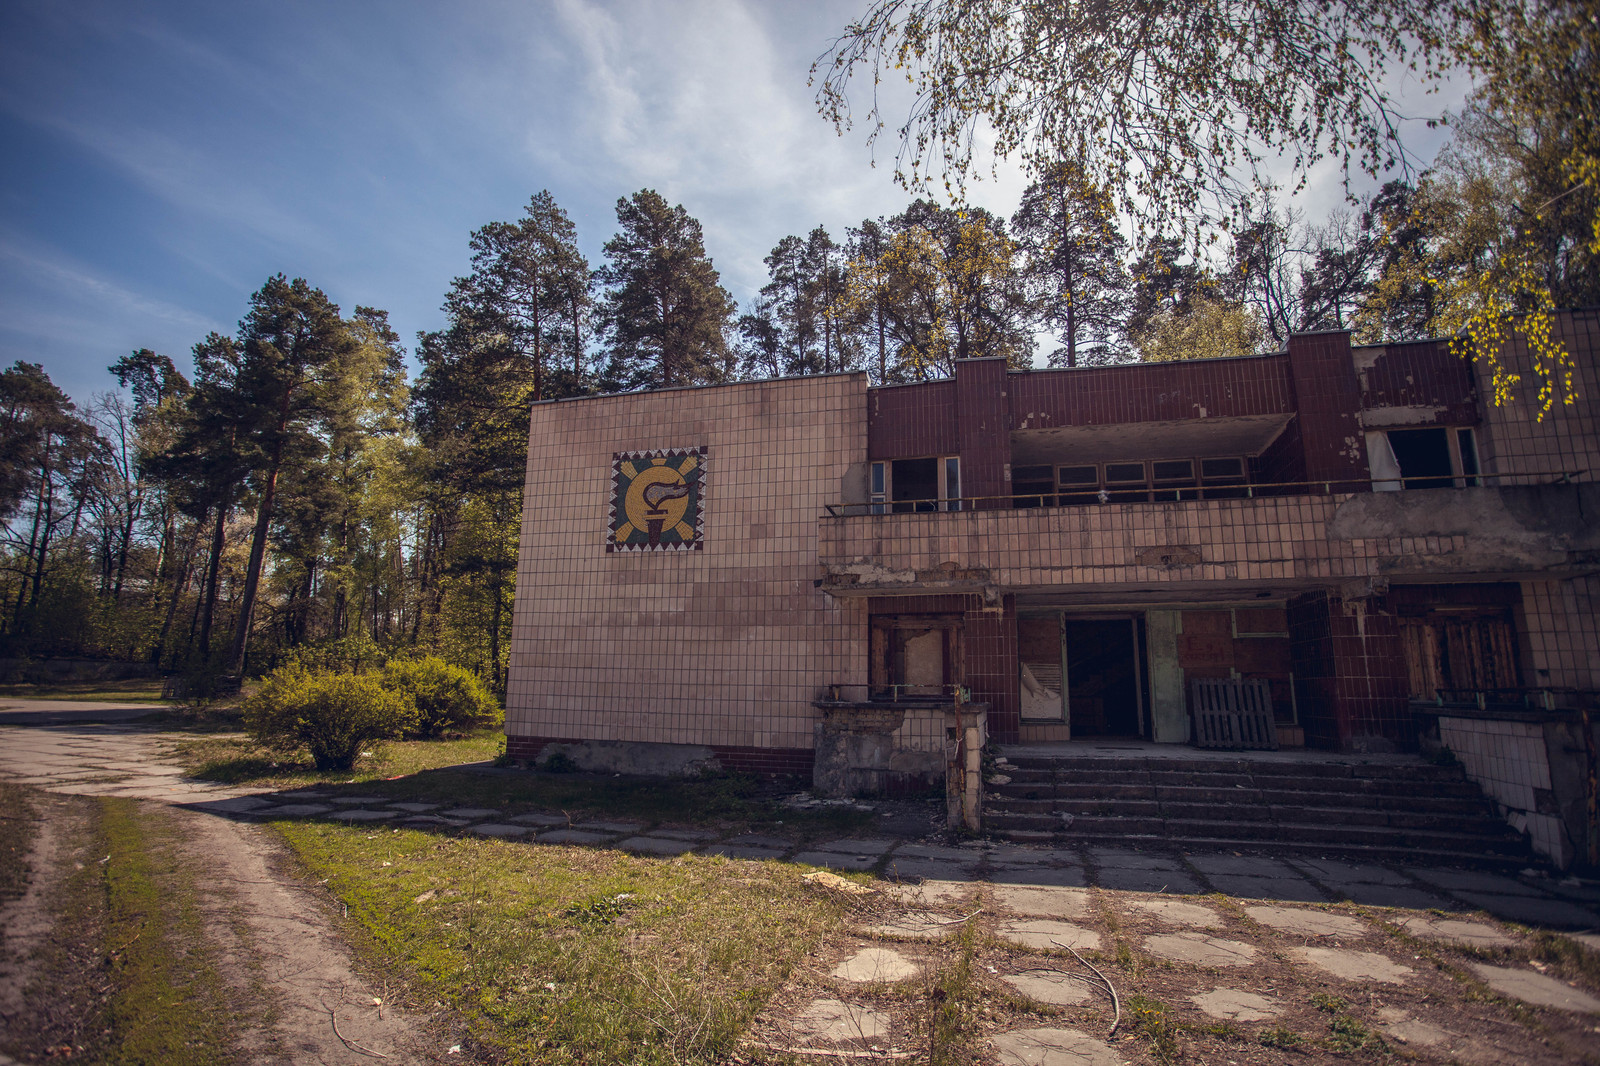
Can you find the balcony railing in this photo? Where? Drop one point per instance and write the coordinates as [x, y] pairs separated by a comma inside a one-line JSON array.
[[1183, 493]]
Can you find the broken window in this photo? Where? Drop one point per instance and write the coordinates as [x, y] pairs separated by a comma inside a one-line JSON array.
[[915, 656], [928, 484]]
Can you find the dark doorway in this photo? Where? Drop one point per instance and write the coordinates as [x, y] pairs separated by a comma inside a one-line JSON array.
[[1104, 686], [914, 484], [1422, 453]]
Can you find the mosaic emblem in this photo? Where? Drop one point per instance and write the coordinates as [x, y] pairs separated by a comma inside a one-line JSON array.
[[655, 501]]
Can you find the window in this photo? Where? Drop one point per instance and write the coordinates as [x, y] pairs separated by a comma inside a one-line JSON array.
[[878, 488], [1079, 484], [1223, 478], [1032, 486], [1468, 449], [1423, 456], [1127, 483], [1173, 479], [929, 484]]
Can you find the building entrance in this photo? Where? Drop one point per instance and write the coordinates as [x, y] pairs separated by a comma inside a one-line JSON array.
[[1088, 672]]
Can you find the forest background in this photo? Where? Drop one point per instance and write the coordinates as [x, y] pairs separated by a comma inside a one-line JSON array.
[[300, 495]]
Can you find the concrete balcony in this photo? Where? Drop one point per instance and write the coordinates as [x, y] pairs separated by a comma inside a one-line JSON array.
[[1271, 542]]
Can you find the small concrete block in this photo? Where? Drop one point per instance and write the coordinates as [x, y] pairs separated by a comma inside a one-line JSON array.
[[1356, 965], [414, 808], [1307, 922], [1297, 889], [1242, 865], [1534, 910], [694, 836], [875, 964], [1173, 912], [1056, 989], [356, 801], [1536, 988], [540, 818], [926, 870], [916, 925], [1199, 949], [610, 827], [733, 851], [1472, 881], [500, 829], [472, 814], [856, 846], [756, 840], [930, 893], [1070, 876], [301, 810], [1036, 901], [361, 816], [1233, 1005], [1052, 1047], [836, 861], [1456, 930], [1043, 935], [829, 1021], [574, 836], [650, 845], [1403, 1027], [1126, 880]]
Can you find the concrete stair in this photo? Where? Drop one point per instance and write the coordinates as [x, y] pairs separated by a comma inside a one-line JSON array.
[[1392, 811]]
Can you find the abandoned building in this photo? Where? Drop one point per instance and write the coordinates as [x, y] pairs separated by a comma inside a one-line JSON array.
[[1347, 549]]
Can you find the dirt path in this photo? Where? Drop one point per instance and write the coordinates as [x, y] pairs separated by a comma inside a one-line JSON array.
[[270, 935]]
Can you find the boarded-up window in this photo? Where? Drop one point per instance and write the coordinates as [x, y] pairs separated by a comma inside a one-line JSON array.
[[1039, 652], [1459, 651], [915, 656]]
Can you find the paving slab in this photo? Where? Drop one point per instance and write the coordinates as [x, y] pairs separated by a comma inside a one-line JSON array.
[[831, 1021], [1200, 949], [1012, 854], [415, 808], [1536, 988], [1333, 873], [1356, 965], [694, 836], [1175, 912], [856, 846], [1041, 901], [1132, 860], [1394, 896], [946, 854], [500, 830], [653, 845], [916, 925], [1242, 865], [236, 805], [601, 826], [1472, 881], [1304, 922], [1456, 930], [1407, 1029], [1068, 876], [423, 821], [734, 851], [1588, 940], [927, 870], [1533, 910], [472, 813], [837, 861], [931, 893], [541, 818], [1056, 989], [1045, 935], [357, 801], [1236, 1005], [362, 816], [301, 810], [1052, 1047], [575, 836], [756, 840], [876, 964], [1134, 880], [1285, 888]]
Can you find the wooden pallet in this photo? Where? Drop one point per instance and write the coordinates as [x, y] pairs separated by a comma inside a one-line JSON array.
[[1233, 713]]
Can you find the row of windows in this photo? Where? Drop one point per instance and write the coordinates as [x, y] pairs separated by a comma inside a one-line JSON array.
[[1213, 477]]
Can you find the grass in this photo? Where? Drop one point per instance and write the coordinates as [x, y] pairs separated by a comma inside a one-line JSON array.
[[565, 955], [952, 999], [432, 772], [130, 690], [1152, 1020], [16, 840]]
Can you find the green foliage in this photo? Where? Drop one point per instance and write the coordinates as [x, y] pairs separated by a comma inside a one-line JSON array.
[[445, 697], [331, 715]]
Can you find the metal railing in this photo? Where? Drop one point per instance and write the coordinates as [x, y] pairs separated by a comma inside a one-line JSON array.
[[896, 693], [1187, 493]]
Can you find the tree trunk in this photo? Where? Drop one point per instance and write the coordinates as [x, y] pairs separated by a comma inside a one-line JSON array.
[[213, 579], [252, 574]]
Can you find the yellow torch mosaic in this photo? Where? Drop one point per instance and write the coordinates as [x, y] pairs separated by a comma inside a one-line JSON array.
[[656, 500]]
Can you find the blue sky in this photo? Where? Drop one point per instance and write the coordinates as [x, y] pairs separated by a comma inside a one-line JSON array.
[[160, 160]]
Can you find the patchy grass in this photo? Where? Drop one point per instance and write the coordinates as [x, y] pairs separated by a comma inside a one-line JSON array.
[[1152, 1020], [127, 975], [17, 820], [456, 772], [566, 955], [953, 1000], [131, 690]]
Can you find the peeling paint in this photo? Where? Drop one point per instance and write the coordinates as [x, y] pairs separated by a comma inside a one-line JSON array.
[[1412, 415]]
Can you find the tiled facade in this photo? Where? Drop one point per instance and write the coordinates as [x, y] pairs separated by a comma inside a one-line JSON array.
[[722, 650]]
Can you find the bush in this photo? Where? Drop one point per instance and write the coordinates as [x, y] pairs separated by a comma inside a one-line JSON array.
[[331, 715], [447, 698]]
